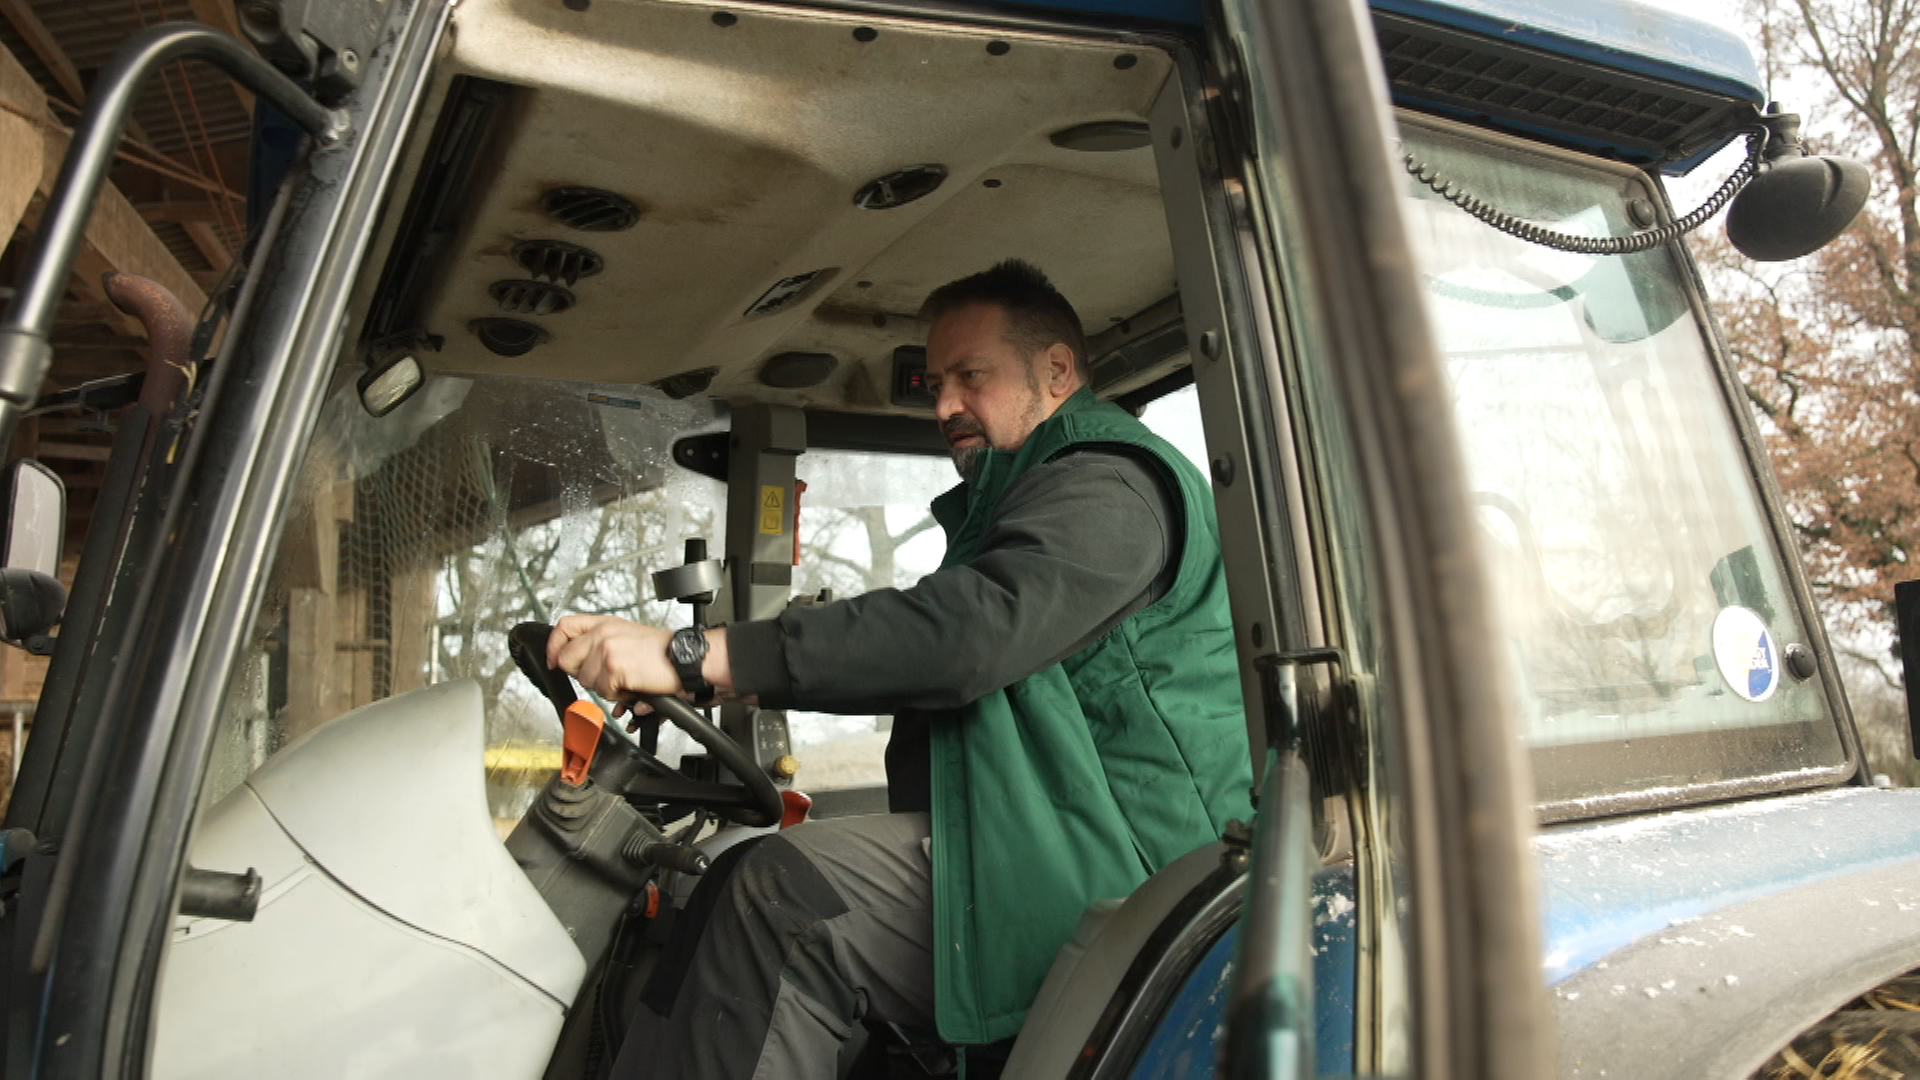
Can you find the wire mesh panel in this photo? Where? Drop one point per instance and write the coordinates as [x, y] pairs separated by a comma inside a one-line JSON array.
[[419, 539]]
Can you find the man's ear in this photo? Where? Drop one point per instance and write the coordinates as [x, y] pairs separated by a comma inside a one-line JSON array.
[[1059, 370]]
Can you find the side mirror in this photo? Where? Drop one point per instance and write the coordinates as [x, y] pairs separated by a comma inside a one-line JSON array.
[[1797, 203], [36, 525], [31, 596]]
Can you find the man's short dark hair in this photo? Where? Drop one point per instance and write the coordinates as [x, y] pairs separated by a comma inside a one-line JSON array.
[[1037, 315]]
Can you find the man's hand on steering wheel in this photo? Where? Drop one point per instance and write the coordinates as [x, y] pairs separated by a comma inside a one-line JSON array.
[[620, 660], [623, 662]]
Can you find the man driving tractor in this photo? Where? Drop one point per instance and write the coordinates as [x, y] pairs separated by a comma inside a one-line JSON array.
[[1067, 721]]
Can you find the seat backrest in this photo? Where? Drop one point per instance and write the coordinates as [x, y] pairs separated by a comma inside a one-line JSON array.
[[1088, 967]]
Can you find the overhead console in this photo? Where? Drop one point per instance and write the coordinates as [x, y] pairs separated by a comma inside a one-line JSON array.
[[753, 202]]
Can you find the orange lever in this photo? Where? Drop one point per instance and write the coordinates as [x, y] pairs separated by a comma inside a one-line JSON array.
[[799, 489], [793, 808], [580, 737]]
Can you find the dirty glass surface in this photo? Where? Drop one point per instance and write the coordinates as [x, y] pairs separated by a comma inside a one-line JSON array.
[[418, 539], [1175, 417], [1378, 807], [1641, 589], [865, 524]]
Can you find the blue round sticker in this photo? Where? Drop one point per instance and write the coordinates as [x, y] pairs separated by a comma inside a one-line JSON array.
[[1744, 651]]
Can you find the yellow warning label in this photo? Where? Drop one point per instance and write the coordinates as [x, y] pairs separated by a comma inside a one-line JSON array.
[[773, 516]]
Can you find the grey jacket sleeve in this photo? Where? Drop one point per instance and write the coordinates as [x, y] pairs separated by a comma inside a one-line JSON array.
[[1077, 545]]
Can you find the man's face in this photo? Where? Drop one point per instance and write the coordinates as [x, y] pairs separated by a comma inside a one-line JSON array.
[[988, 392]]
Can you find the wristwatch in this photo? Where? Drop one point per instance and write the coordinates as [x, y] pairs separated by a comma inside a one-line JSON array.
[[686, 650]]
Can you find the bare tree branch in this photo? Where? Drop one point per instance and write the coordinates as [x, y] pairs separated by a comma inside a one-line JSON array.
[[1874, 662]]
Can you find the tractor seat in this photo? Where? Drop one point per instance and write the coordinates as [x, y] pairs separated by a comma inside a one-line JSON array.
[[1088, 967], [1078, 986]]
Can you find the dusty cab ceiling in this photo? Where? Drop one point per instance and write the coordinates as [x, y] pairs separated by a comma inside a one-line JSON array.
[[739, 137]]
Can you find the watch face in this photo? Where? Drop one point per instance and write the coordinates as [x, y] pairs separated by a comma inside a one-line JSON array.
[[684, 648]]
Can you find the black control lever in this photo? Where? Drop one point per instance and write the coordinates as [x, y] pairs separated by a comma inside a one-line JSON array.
[[527, 644], [686, 860], [212, 894]]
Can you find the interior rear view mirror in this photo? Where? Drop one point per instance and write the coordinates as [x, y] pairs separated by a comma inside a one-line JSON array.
[[384, 386]]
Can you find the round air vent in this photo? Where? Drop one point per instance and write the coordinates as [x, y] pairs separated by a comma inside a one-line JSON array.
[[557, 260], [900, 188], [589, 209], [687, 383], [1103, 136], [507, 337], [530, 297], [797, 370]]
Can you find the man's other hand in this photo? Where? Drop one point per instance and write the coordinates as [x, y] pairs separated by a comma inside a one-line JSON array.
[[613, 657]]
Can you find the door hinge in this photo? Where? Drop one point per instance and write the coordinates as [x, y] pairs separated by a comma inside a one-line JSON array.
[[1279, 701], [326, 45]]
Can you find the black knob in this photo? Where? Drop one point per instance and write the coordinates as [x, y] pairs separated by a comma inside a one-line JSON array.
[[675, 857], [1801, 663]]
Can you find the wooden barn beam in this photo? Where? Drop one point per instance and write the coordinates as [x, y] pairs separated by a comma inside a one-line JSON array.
[[75, 451], [209, 243], [44, 46], [180, 211]]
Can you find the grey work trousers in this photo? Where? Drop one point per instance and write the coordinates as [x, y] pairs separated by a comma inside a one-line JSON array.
[[815, 929]]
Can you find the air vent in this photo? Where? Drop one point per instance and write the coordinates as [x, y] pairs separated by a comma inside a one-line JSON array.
[[450, 185], [557, 260], [784, 292], [530, 297], [687, 383], [1640, 118], [900, 188], [589, 209], [797, 370], [1103, 136], [507, 337]]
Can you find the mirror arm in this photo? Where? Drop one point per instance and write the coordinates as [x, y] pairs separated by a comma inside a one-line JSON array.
[[1906, 610]]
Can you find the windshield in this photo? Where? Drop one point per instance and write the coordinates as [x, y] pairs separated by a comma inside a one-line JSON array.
[[417, 540], [864, 525], [1642, 592]]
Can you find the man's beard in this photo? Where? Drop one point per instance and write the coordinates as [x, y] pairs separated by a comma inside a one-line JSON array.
[[965, 458]]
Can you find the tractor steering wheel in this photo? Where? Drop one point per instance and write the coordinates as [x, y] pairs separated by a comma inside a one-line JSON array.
[[754, 801]]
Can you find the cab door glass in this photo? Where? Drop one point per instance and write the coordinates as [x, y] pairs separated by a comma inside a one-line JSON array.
[[1382, 838], [1643, 594], [865, 524], [417, 540], [1175, 417]]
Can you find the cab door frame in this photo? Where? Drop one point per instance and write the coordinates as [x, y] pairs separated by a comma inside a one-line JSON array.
[[1304, 108], [84, 941]]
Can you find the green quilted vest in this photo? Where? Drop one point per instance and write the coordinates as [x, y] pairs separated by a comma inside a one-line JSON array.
[[1077, 782]]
